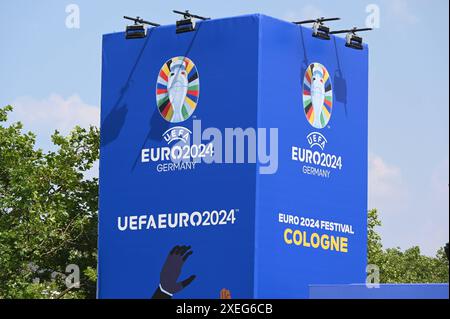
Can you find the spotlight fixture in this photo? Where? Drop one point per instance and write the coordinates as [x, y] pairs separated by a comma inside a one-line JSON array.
[[351, 39], [319, 29], [188, 22], [137, 30]]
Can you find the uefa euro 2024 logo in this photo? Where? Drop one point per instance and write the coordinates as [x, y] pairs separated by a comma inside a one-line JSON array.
[[318, 105], [317, 95], [177, 89]]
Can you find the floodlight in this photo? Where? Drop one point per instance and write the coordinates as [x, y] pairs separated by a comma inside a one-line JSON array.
[[319, 29], [137, 30], [351, 39], [187, 24]]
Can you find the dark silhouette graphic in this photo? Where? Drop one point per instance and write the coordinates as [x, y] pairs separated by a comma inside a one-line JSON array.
[[169, 284]]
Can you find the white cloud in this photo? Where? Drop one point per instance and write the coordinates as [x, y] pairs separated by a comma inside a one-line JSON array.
[[45, 116], [411, 214], [386, 185]]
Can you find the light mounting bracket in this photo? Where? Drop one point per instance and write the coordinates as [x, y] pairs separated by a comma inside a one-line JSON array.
[[351, 39], [320, 30], [187, 24]]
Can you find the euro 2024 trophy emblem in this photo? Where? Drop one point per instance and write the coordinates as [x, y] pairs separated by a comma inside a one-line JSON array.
[[317, 95], [177, 89]]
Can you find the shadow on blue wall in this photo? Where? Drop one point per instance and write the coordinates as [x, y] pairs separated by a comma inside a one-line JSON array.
[[113, 122]]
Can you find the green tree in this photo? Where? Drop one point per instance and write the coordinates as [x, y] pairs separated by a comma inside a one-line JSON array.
[[407, 266], [48, 212]]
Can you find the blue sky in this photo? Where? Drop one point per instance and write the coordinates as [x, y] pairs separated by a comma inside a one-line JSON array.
[[51, 74]]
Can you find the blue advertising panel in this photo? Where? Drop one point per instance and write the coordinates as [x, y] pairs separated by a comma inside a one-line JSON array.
[[233, 162], [312, 213]]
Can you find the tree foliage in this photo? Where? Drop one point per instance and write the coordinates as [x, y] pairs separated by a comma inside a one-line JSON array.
[[48, 212], [408, 266]]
